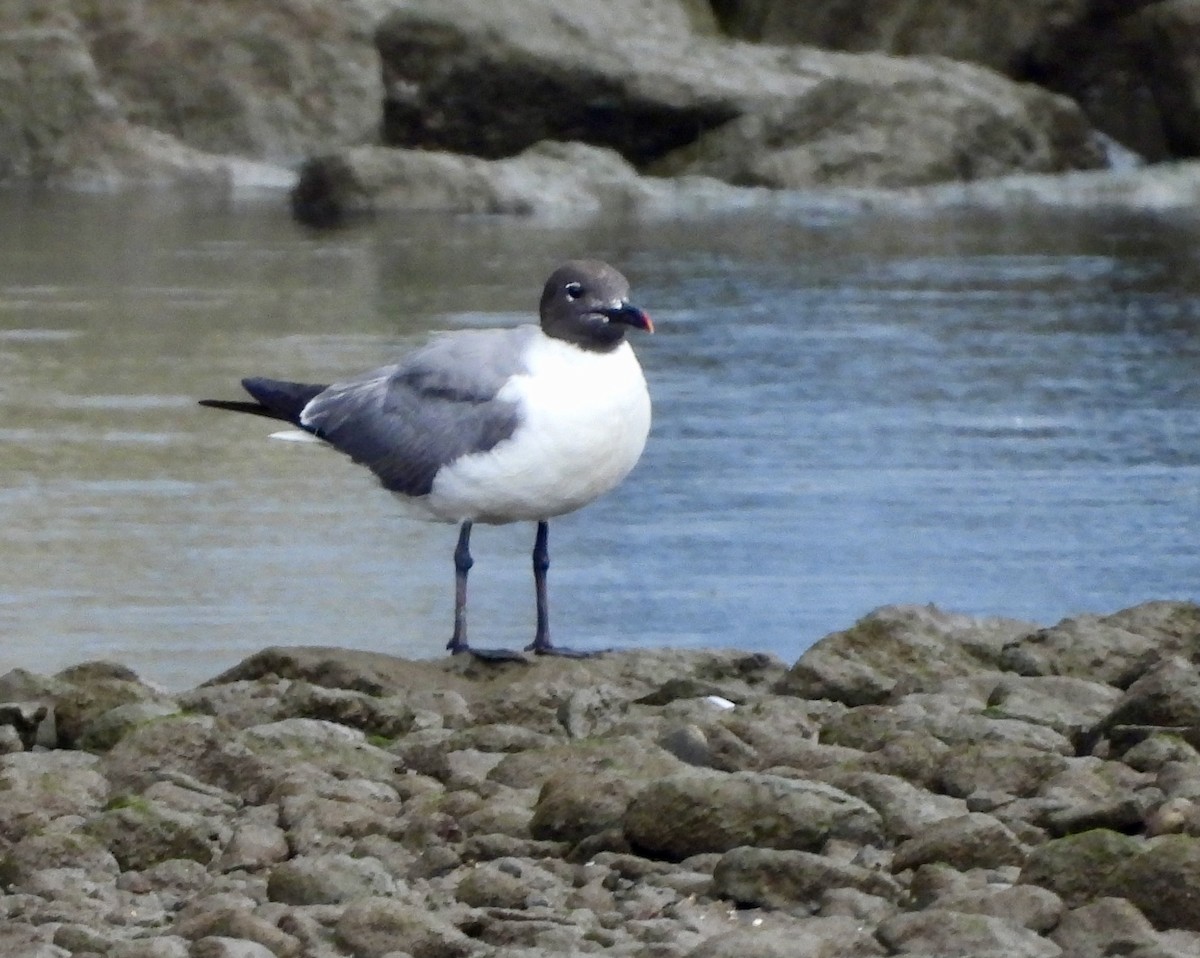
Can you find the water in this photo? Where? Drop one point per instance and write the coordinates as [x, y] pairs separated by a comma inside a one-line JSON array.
[[998, 413]]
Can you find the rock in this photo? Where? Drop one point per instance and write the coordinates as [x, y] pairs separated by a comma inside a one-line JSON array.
[[1000, 37], [1092, 793], [221, 947], [94, 688], [51, 102], [919, 646], [906, 809], [871, 727], [261, 818], [141, 833], [953, 123], [327, 880], [547, 179], [1015, 770], [1172, 31], [1163, 881], [510, 883], [1165, 696], [23, 860], [1063, 703], [1037, 909], [1106, 924], [791, 879], [40, 787], [832, 937], [454, 73], [1077, 867], [372, 927], [233, 923], [695, 813], [1112, 649], [968, 841], [161, 946], [950, 933], [232, 78], [106, 729]]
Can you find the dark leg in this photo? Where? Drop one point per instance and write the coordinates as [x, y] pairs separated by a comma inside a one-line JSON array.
[[462, 565], [541, 562], [458, 642]]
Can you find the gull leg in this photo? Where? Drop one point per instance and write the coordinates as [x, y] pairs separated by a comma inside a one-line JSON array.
[[458, 642], [462, 565], [541, 644]]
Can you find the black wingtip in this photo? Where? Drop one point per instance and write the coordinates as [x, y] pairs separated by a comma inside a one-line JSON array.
[[237, 405]]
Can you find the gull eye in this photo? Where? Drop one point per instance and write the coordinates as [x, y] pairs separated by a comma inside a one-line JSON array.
[[573, 290]]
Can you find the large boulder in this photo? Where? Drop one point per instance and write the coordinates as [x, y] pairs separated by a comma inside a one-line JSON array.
[[693, 813], [234, 76], [907, 647], [999, 35], [1133, 66], [492, 81]]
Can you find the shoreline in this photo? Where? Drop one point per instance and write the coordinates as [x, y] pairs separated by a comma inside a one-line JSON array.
[[920, 783]]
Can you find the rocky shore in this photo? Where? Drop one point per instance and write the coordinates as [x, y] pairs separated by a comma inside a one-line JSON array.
[[920, 784], [567, 106]]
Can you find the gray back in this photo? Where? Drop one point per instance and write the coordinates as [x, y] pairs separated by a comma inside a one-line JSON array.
[[406, 421]]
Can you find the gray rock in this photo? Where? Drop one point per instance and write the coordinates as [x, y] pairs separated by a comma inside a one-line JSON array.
[[1111, 649], [1062, 702], [1092, 793], [1074, 867], [239, 925], [592, 711], [162, 946], [949, 933], [653, 92], [906, 810], [385, 717], [968, 841], [1003, 38], [952, 123], [510, 883], [332, 815], [1157, 749], [1163, 881], [328, 880], [1037, 909], [694, 813], [236, 79], [141, 833], [373, 927], [916, 646], [871, 727], [1166, 695], [254, 845], [106, 729], [40, 787], [792, 879], [1171, 30], [833, 937], [36, 853], [1016, 770], [1111, 925], [222, 947]]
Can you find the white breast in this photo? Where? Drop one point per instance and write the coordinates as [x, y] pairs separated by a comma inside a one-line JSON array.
[[584, 421]]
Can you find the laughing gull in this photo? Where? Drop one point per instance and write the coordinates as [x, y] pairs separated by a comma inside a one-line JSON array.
[[493, 425]]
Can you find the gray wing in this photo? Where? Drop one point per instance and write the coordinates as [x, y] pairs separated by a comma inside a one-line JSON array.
[[406, 421]]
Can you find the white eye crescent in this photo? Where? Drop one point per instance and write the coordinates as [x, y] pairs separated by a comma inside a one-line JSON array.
[[573, 290]]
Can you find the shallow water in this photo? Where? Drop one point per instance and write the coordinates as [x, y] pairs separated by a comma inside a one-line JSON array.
[[997, 413]]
